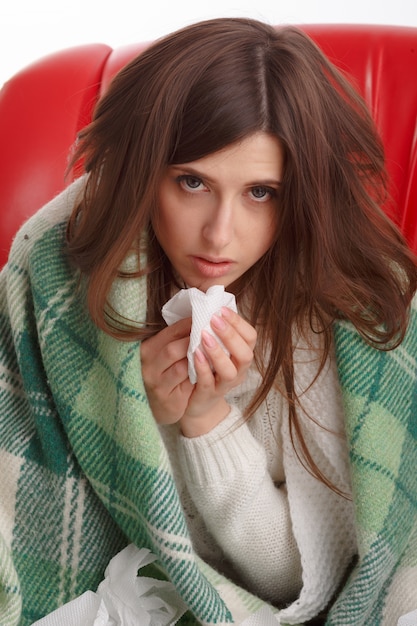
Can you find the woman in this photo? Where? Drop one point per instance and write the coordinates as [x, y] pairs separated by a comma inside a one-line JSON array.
[[227, 154]]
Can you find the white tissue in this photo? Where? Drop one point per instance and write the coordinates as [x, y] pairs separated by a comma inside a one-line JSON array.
[[200, 307], [123, 598], [408, 620]]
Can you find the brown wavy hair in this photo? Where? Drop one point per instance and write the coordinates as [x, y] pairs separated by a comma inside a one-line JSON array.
[[335, 254]]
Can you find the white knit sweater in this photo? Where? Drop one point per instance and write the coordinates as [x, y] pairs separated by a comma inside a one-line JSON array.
[[254, 512]]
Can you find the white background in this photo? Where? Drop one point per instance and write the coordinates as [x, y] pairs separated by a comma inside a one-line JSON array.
[[30, 29]]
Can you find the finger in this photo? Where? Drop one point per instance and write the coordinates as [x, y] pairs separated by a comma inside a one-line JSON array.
[[156, 343], [242, 327], [179, 330], [152, 347], [168, 368], [240, 347], [182, 328], [172, 354], [169, 407], [223, 366], [205, 376]]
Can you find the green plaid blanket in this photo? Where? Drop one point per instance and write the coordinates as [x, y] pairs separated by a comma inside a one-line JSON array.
[[84, 472]]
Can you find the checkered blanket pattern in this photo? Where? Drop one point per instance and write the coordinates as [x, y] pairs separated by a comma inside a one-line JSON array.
[[84, 472]]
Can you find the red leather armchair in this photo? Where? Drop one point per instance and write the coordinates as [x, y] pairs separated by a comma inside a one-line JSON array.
[[44, 106]]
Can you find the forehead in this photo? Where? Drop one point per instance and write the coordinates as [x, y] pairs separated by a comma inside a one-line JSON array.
[[260, 154]]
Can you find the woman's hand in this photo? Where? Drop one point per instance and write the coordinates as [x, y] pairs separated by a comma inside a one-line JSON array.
[[165, 372], [218, 373], [172, 397]]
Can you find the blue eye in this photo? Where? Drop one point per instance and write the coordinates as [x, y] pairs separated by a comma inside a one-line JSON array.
[[262, 194], [189, 182]]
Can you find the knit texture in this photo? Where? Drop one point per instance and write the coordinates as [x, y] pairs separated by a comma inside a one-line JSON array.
[[239, 509], [84, 470]]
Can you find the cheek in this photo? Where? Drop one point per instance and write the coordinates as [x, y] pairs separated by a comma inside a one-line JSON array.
[[262, 235], [163, 221], [161, 229], [172, 229]]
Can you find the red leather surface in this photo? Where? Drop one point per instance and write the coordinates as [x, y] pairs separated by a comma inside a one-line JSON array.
[[41, 111], [383, 62], [43, 107]]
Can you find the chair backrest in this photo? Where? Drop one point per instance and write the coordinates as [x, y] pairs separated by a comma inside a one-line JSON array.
[[44, 106]]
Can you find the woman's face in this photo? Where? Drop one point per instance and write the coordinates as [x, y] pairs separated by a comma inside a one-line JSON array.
[[217, 215]]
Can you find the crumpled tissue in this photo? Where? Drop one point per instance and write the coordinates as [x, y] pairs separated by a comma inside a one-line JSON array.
[[200, 307], [123, 598], [410, 619]]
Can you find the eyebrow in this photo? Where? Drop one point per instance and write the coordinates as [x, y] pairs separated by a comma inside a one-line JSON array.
[[268, 182]]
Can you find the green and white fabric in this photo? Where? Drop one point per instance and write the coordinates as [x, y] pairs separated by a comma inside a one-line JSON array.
[[84, 471]]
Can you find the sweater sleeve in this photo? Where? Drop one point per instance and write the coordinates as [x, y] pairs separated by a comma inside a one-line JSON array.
[[246, 513]]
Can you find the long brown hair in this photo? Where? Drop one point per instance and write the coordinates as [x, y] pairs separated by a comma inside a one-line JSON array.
[[335, 254]]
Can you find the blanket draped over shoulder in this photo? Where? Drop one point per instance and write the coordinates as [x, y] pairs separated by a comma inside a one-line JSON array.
[[84, 471]]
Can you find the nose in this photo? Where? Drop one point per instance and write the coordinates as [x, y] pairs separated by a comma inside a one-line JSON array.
[[219, 227]]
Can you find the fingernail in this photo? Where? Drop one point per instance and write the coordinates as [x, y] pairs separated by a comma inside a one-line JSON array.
[[208, 339], [199, 355], [218, 322]]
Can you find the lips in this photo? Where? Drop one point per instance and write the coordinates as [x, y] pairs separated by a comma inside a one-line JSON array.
[[212, 268]]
